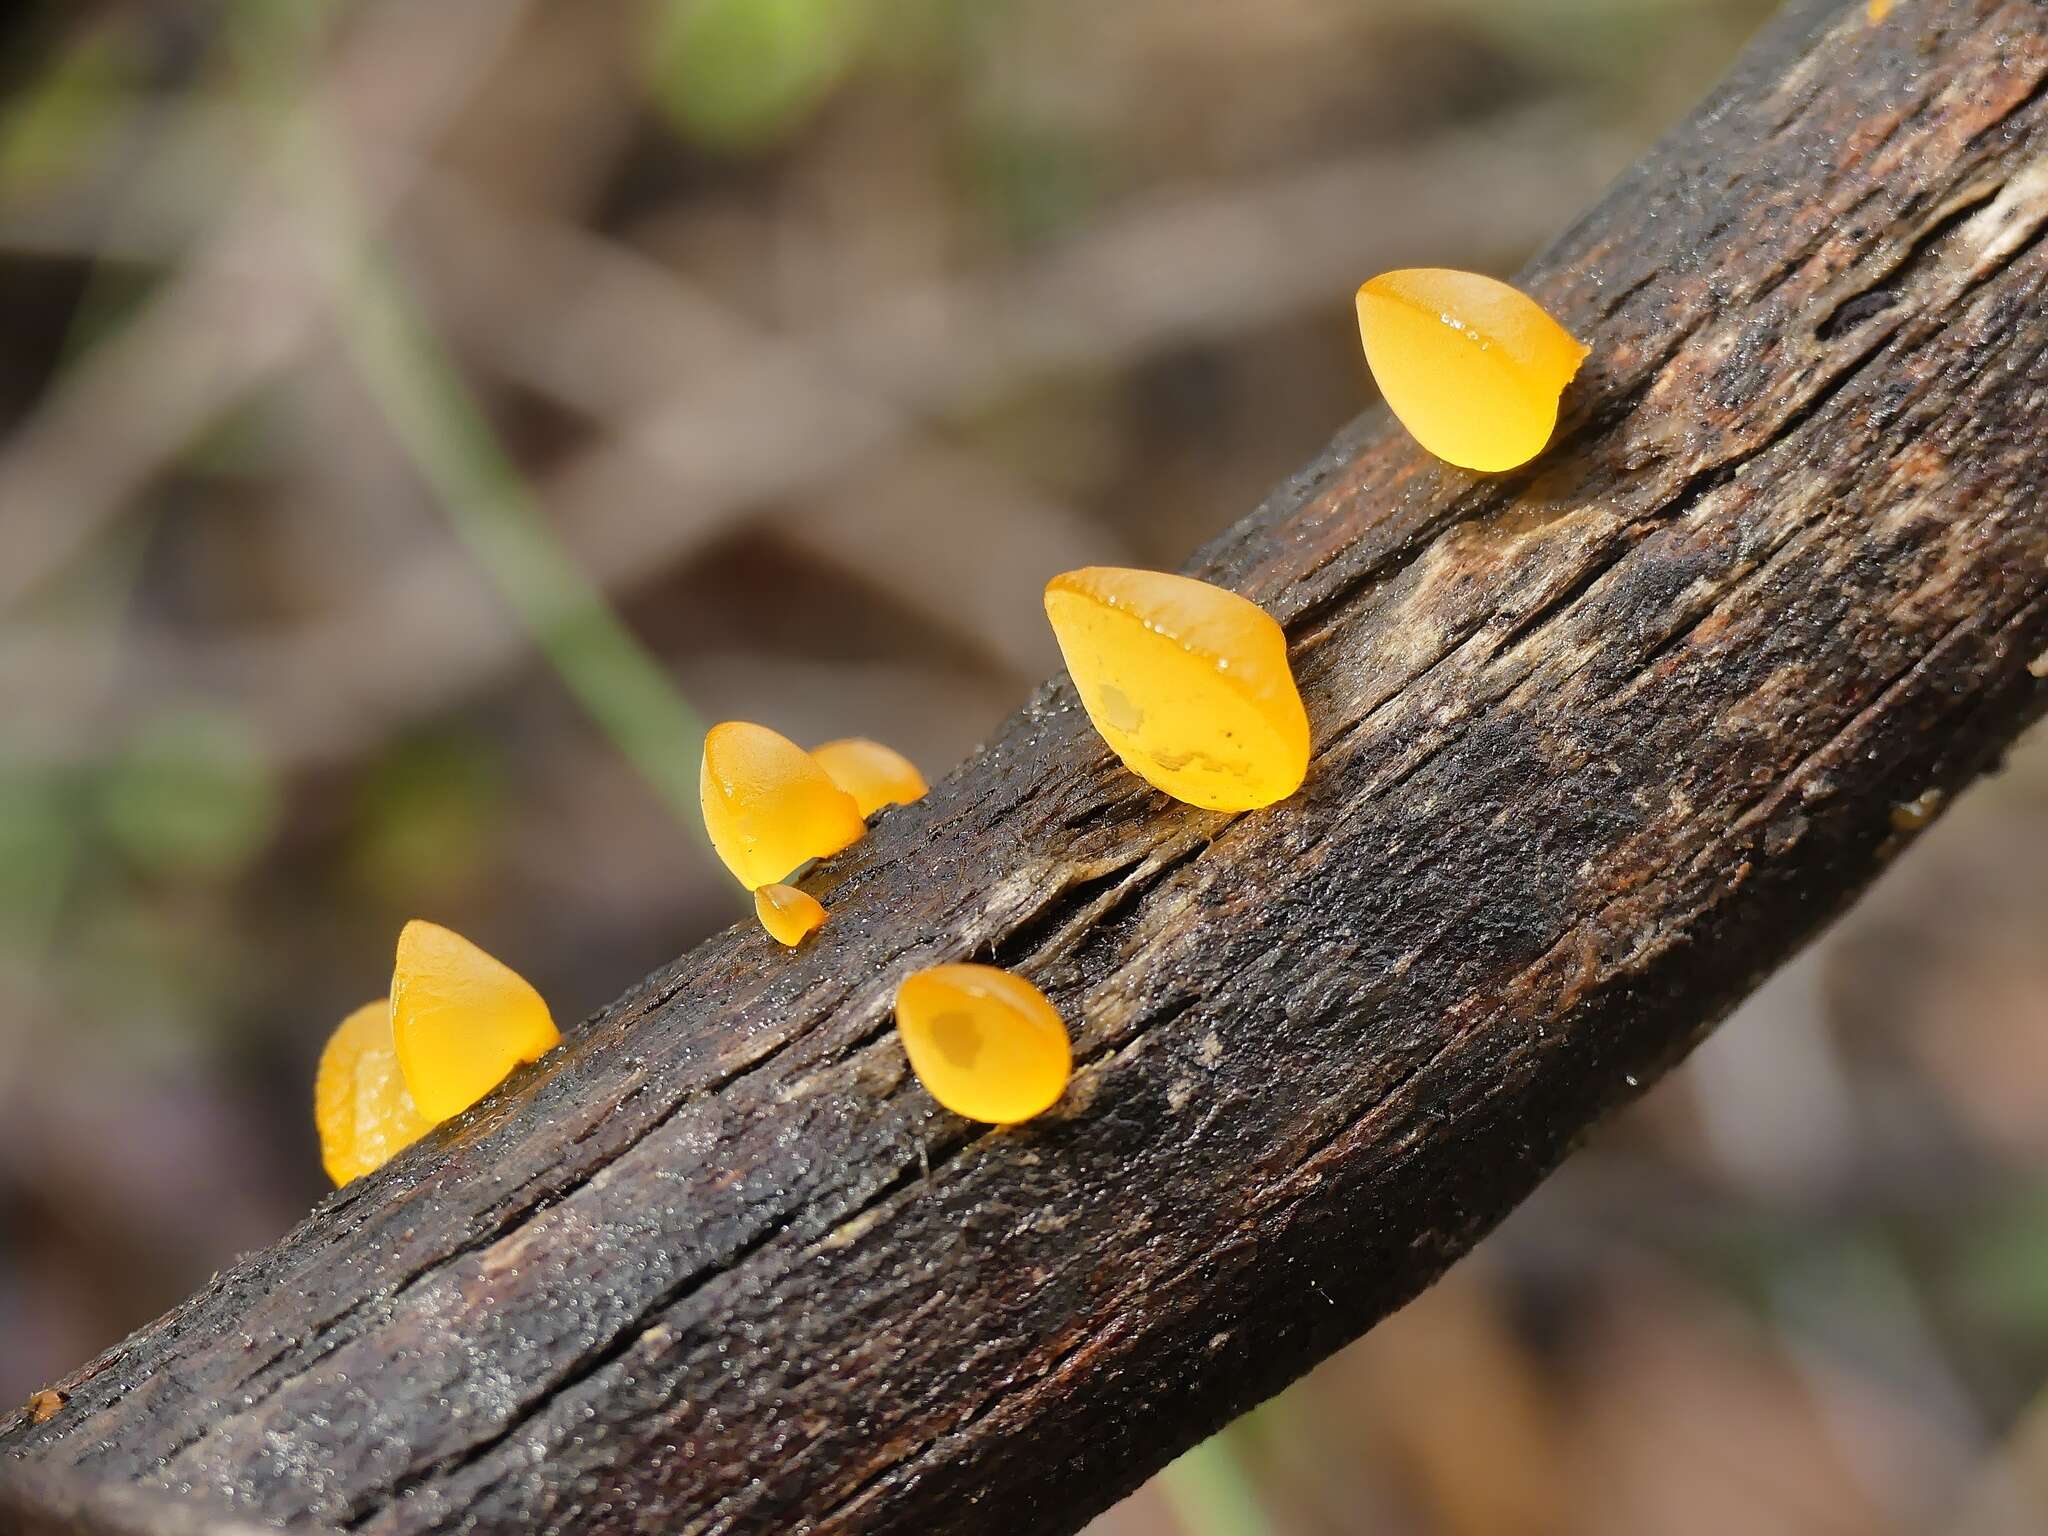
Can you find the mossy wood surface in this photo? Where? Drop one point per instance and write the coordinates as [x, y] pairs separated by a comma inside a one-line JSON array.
[[1598, 744]]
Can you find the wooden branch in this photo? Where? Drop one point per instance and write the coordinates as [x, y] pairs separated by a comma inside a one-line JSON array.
[[60, 1501], [1599, 743]]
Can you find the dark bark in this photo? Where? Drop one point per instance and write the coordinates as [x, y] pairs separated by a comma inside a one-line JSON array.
[[61, 1501], [1598, 744]]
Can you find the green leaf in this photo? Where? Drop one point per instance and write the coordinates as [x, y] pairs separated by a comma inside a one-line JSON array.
[[2002, 1272], [739, 75], [40, 840], [192, 794]]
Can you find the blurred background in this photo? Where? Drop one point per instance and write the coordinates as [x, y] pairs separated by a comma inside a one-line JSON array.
[[416, 418]]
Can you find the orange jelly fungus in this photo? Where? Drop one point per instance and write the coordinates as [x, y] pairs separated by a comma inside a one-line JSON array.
[[1472, 367], [984, 1042], [1188, 683], [45, 1405], [768, 806], [461, 1020], [873, 774], [789, 915], [361, 1107]]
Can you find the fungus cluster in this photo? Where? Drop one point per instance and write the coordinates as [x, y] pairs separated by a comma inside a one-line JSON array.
[[1187, 683], [454, 1026]]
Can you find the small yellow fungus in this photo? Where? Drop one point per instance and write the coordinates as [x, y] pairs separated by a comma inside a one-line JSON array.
[[1472, 367], [460, 1019], [984, 1042], [1188, 683], [873, 774], [361, 1107], [1877, 10], [789, 915], [45, 1405], [1918, 813], [768, 806]]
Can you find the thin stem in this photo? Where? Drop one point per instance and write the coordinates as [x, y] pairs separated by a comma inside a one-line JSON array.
[[451, 444]]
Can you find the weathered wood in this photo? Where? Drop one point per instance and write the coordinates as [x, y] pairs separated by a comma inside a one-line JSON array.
[[61, 1501], [1598, 744]]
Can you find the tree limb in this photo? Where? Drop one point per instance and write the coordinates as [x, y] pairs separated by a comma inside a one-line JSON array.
[[1598, 744]]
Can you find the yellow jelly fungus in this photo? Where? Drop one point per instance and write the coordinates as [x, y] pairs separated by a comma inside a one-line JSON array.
[[789, 915], [460, 1020], [984, 1042], [360, 1104], [1471, 366], [45, 1405], [873, 774], [768, 806], [1877, 10], [1188, 683]]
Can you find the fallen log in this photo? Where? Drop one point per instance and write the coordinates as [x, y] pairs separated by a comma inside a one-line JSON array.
[[1598, 744]]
